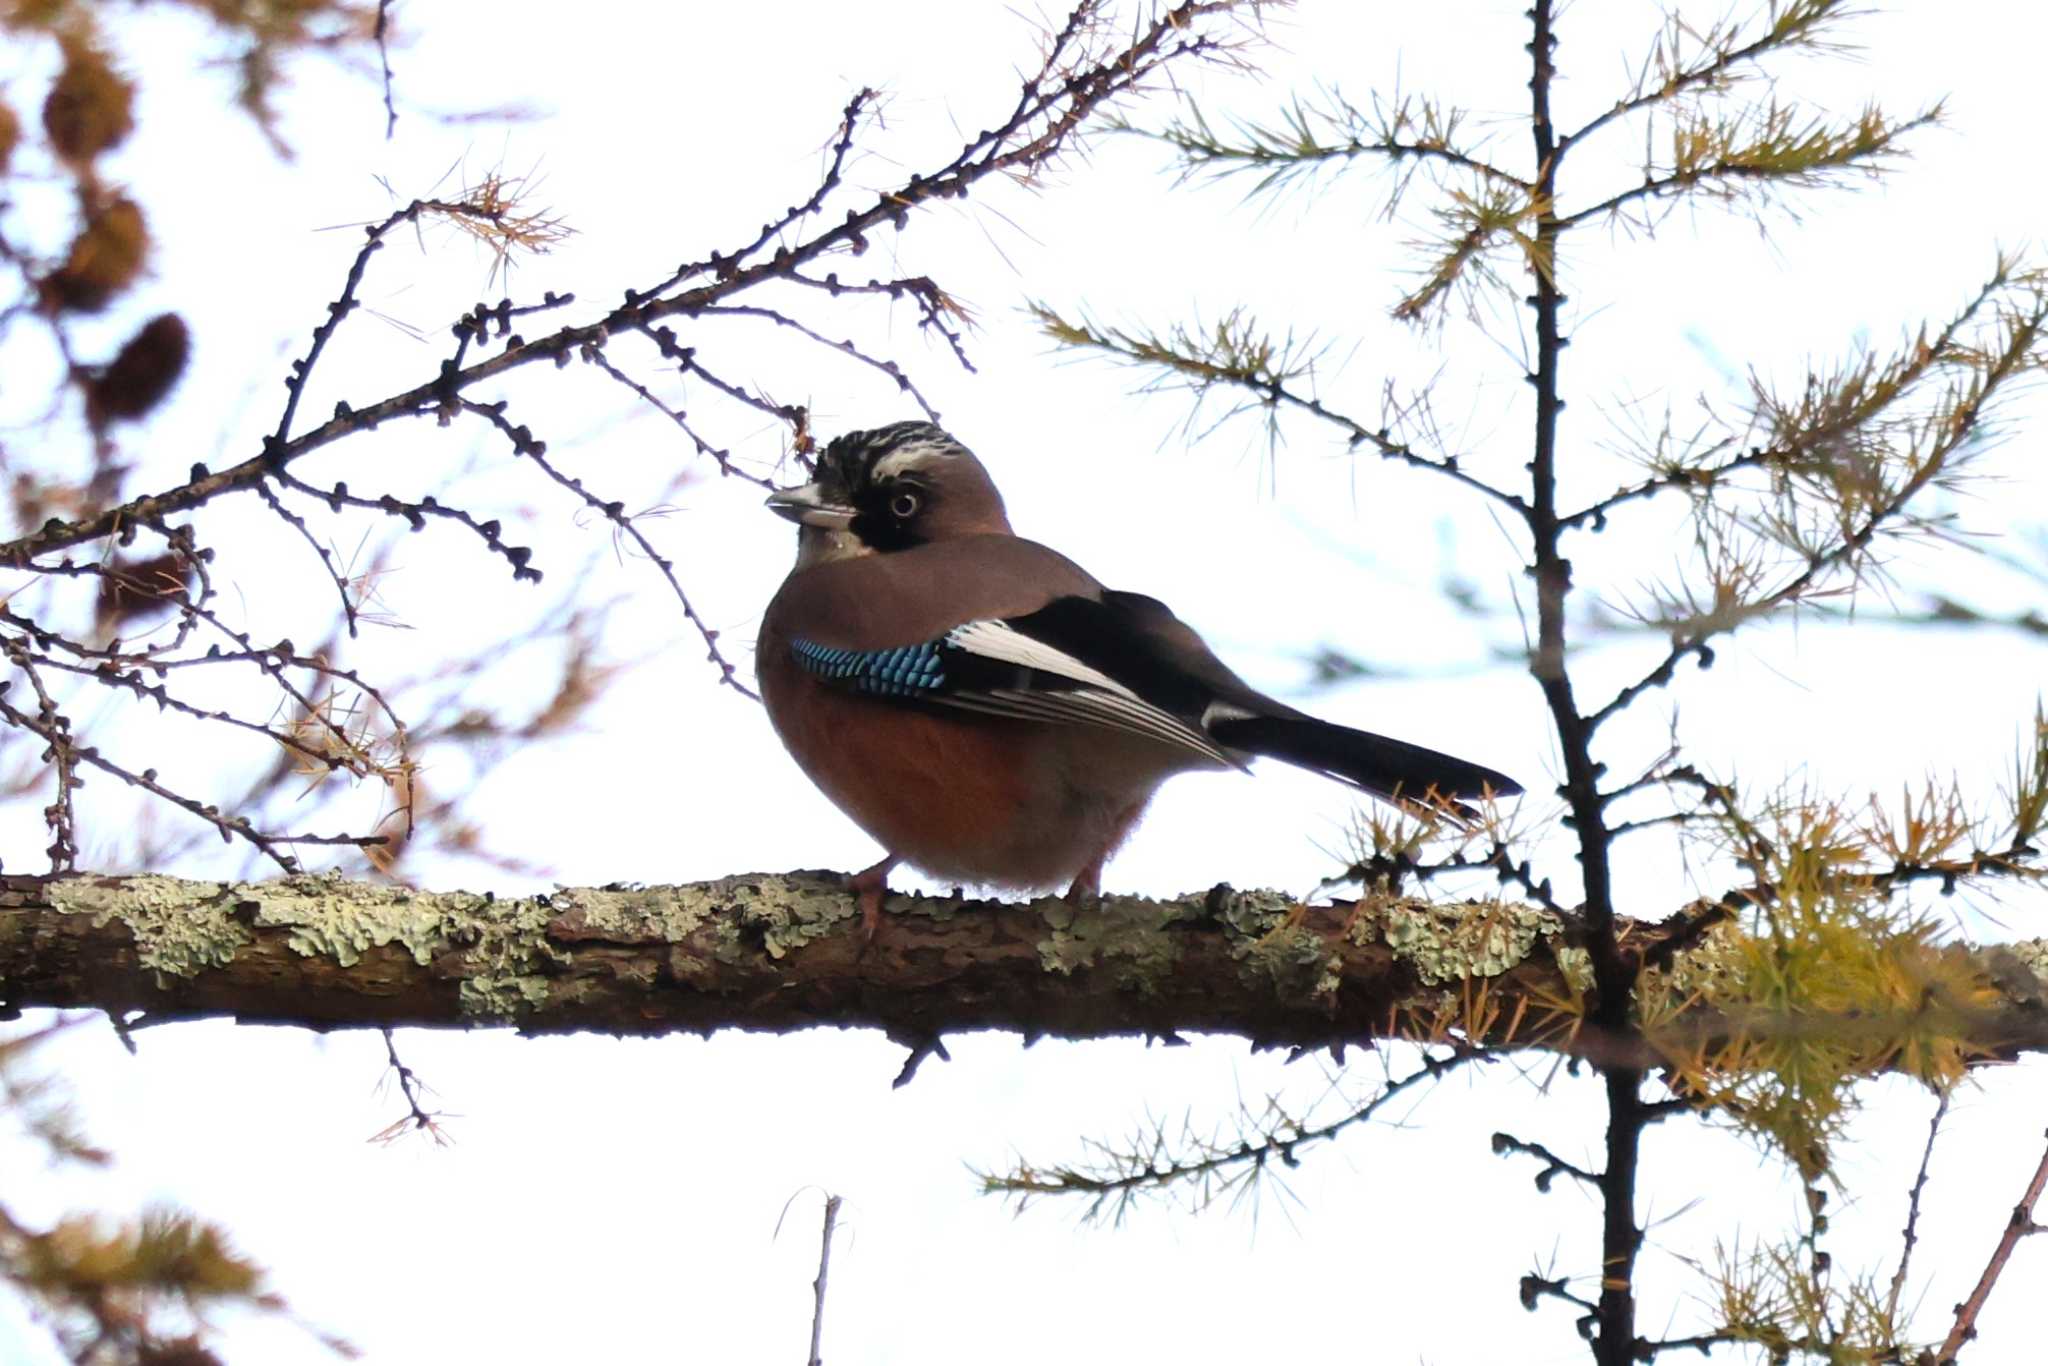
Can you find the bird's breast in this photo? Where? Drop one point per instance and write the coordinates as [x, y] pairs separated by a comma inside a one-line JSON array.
[[964, 796]]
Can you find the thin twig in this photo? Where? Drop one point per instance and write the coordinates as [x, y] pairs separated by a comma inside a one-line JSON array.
[[298, 524], [847, 347], [380, 34], [524, 443], [818, 1286], [1912, 1231], [2019, 1226], [682, 421], [2011, 362], [1051, 112], [1554, 1166], [1269, 1150], [1727, 171], [55, 733], [1715, 71], [418, 1117]]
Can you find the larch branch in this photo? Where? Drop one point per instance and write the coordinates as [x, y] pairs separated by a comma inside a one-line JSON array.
[[778, 952]]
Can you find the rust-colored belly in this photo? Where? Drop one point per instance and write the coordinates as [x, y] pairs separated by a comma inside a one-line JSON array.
[[969, 797]]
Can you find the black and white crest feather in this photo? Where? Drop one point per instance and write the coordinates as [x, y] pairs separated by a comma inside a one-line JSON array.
[[859, 459]]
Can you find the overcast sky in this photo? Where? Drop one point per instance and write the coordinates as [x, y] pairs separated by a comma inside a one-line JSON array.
[[620, 1200]]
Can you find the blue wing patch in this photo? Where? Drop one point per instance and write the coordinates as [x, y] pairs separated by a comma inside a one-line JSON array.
[[905, 671]]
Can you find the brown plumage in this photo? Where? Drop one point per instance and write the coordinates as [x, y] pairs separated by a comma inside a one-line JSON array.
[[990, 800], [987, 710]]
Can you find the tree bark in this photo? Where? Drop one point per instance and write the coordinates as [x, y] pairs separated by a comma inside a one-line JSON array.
[[776, 952]]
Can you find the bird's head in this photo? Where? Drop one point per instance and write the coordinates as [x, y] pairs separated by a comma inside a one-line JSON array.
[[888, 489]]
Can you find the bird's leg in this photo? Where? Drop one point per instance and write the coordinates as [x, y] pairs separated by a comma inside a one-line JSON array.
[[1087, 887], [868, 885]]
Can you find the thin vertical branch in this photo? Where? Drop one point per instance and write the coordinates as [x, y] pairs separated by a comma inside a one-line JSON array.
[[818, 1286], [417, 1118], [1911, 1235], [381, 35], [1613, 976]]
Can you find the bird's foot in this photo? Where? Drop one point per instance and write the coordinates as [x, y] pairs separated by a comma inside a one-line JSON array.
[[1087, 889], [869, 885]]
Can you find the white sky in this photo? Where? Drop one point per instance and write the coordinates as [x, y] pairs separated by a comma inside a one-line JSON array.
[[610, 1200]]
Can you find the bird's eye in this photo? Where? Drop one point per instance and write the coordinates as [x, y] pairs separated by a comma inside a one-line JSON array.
[[904, 505]]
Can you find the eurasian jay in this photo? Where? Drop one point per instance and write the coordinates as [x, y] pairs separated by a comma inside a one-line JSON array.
[[984, 708]]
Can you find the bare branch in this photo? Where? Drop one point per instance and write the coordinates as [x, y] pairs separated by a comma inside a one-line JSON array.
[[2022, 1224], [1909, 1238], [1553, 1165], [818, 1286]]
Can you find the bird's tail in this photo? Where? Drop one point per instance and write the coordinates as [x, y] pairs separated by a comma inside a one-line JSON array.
[[1393, 769]]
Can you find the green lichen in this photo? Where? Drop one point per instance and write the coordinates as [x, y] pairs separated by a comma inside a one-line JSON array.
[[507, 944], [1456, 943], [1577, 967], [1709, 967], [326, 916], [776, 914], [1127, 934], [504, 996], [1274, 945], [1295, 960], [180, 928], [665, 915], [502, 942], [1253, 915]]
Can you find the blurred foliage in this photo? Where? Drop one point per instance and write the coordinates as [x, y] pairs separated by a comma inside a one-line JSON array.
[[73, 240], [114, 1291], [135, 1290]]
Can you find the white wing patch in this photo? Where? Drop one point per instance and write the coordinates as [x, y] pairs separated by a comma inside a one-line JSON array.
[[1224, 711], [1100, 700], [1002, 641]]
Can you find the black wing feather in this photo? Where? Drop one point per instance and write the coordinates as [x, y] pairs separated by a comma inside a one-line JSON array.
[[1124, 661]]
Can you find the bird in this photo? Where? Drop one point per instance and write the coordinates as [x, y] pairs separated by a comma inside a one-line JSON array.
[[988, 711]]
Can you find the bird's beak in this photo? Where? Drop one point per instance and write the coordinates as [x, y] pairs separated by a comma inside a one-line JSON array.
[[807, 506]]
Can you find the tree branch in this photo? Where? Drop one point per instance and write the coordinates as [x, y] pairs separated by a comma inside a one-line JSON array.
[[2019, 1226], [776, 952], [1783, 156], [1909, 1238], [1073, 85], [1802, 23]]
